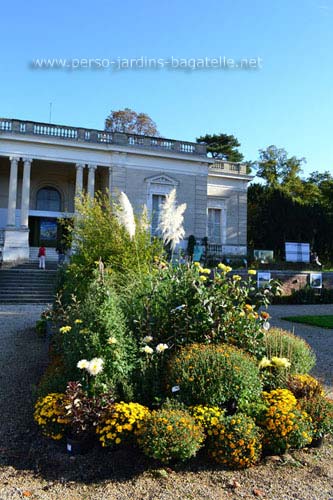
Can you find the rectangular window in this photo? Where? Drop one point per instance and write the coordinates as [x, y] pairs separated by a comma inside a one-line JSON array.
[[157, 202], [215, 225]]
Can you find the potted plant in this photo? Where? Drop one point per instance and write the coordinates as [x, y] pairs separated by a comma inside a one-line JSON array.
[[83, 414]]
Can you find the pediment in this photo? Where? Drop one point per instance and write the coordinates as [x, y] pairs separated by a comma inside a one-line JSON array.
[[162, 179]]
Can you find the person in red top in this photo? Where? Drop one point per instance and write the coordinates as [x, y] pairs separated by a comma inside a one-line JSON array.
[[41, 257]]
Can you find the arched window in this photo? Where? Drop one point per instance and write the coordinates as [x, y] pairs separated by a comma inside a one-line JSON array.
[[48, 199]]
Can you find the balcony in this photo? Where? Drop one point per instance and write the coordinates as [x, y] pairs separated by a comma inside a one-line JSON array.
[[92, 136]]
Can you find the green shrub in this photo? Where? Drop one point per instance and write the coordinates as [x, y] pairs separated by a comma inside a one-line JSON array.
[[235, 441], [214, 375], [168, 435], [285, 344], [97, 329]]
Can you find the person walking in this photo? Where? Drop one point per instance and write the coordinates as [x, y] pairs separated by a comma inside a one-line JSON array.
[[41, 257]]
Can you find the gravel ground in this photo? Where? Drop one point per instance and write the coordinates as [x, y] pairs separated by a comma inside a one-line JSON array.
[[31, 467]]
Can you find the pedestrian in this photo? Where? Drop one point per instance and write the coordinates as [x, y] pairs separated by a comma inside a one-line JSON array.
[[41, 257], [61, 254]]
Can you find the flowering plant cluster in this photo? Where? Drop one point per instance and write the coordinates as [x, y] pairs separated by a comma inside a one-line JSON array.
[[284, 423], [93, 367], [320, 409], [305, 386], [170, 435], [235, 441], [206, 416], [50, 415], [120, 422]]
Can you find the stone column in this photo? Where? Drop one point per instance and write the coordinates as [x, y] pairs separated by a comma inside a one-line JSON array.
[[12, 192], [110, 183], [25, 193], [91, 180], [79, 178]]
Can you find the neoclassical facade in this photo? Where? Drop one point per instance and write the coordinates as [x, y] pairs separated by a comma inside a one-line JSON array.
[[44, 166]]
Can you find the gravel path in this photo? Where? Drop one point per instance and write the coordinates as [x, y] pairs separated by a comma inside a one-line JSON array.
[[320, 339], [32, 467]]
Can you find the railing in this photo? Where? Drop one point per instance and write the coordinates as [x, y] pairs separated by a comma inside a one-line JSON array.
[[228, 167], [100, 136]]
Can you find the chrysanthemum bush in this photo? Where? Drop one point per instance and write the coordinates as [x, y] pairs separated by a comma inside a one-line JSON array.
[[206, 416], [170, 434], [120, 422], [211, 374], [50, 415], [305, 386], [234, 441], [284, 423]]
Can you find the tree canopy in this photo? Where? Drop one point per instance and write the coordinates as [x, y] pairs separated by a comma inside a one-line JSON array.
[[222, 146], [129, 121]]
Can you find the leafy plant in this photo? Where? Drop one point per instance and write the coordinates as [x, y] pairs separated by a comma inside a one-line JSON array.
[[168, 435], [320, 409]]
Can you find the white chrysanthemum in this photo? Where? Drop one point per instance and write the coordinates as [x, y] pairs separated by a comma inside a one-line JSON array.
[[147, 339], [83, 364], [265, 362], [147, 349], [171, 220], [95, 366], [112, 340], [125, 214], [161, 347]]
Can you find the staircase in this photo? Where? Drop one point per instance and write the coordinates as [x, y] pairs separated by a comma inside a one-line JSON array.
[[51, 255], [26, 284]]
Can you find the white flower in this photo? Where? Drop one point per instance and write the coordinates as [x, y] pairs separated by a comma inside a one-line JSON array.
[[83, 364], [95, 366], [171, 220], [125, 214], [178, 308], [147, 349], [266, 325], [161, 347], [265, 362], [112, 340], [147, 339]]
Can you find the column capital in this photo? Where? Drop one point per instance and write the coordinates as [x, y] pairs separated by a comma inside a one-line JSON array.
[[14, 159], [27, 160], [79, 166], [92, 166]]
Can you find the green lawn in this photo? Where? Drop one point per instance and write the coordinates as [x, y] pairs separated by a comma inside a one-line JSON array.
[[324, 321]]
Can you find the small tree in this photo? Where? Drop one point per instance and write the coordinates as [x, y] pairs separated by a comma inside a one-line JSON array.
[[222, 146], [130, 122]]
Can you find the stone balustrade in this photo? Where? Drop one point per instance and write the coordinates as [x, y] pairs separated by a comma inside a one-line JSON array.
[[223, 166], [100, 136]]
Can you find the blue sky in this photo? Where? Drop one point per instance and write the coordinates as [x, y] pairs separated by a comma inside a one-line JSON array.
[[288, 102]]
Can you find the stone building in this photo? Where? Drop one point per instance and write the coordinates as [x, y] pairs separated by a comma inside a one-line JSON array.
[[43, 166]]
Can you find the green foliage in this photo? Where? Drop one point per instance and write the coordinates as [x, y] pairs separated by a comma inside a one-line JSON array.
[[169, 435], [222, 146], [306, 295], [184, 304], [322, 320], [219, 375], [235, 441], [285, 344], [97, 330]]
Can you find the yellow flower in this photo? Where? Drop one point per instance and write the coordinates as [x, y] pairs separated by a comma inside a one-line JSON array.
[[280, 362], [264, 363], [78, 321], [252, 272], [236, 277], [202, 278], [65, 329], [224, 268]]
